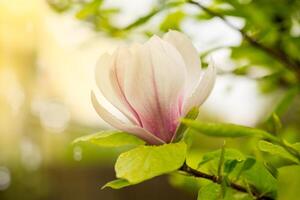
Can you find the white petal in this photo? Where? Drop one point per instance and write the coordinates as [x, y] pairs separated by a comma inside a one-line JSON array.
[[189, 53], [116, 123], [155, 84], [202, 90], [109, 73]]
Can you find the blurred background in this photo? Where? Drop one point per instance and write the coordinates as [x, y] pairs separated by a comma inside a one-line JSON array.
[[48, 51]]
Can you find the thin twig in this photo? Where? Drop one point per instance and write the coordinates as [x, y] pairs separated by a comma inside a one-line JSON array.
[[279, 55], [216, 179]]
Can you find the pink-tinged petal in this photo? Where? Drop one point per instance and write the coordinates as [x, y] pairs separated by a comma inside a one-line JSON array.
[[190, 55], [154, 86], [109, 73], [118, 124], [202, 90]]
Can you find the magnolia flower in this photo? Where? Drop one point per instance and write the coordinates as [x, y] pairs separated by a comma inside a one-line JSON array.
[[153, 85]]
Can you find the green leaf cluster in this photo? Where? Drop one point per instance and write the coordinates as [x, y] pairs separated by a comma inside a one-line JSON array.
[[142, 162], [238, 169]]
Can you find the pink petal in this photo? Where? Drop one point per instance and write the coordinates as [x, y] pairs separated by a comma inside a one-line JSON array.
[[154, 86], [202, 90], [108, 77], [190, 55], [115, 122]]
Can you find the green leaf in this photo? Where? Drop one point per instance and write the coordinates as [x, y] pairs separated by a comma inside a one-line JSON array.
[[272, 169], [213, 191], [247, 164], [172, 21], [296, 146], [276, 123], [229, 154], [229, 165], [192, 114], [289, 182], [259, 177], [175, 3], [242, 70], [146, 162], [225, 130], [89, 9], [277, 150], [117, 184], [111, 139], [209, 192]]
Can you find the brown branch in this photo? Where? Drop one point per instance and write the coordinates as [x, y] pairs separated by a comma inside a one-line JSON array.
[[217, 179], [279, 55]]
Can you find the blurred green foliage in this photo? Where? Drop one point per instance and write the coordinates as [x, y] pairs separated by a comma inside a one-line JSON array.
[[271, 31], [270, 41]]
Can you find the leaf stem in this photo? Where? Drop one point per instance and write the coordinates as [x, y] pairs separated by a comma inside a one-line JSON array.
[[216, 179]]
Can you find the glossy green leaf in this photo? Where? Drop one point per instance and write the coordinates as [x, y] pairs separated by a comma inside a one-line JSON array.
[[225, 130], [277, 150], [146, 162], [117, 184], [111, 139]]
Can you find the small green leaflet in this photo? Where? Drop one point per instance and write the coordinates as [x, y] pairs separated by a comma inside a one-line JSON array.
[[247, 164], [146, 162], [230, 154], [117, 184], [274, 124], [229, 165], [275, 149], [111, 139]]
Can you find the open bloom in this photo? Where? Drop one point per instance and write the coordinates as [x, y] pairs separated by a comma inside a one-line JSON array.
[[153, 84]]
